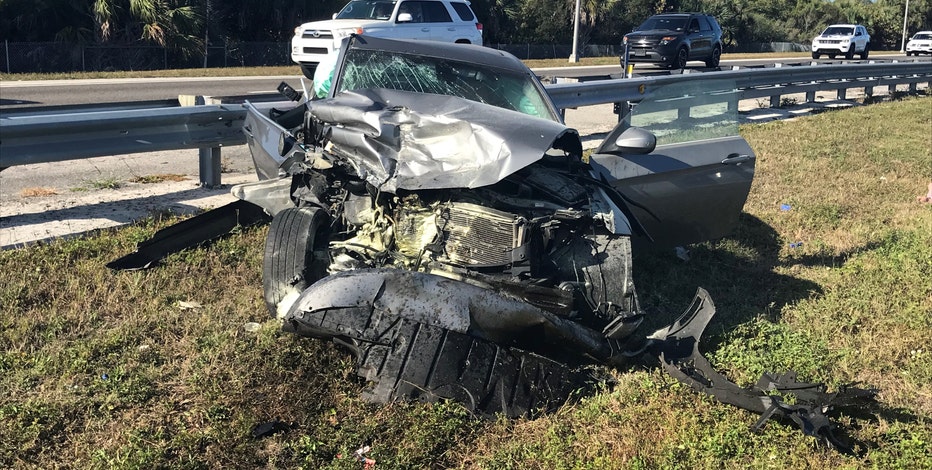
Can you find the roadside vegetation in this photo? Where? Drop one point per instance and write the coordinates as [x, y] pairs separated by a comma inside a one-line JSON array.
[[828, 274], [296, 71]]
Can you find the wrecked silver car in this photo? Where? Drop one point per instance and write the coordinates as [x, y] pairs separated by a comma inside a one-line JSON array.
[[434, 216]]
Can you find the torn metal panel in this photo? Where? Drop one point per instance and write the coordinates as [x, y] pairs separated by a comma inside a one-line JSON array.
[[405, 140]]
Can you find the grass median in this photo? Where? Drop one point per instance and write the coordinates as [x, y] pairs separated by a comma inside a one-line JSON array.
[[829, 273]]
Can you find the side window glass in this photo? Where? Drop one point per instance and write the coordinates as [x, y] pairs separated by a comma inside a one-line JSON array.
[[704, 25], [435, 12], [693, 25], [414, 9], [463, 11]]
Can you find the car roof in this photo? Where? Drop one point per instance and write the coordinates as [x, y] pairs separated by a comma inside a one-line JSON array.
[[461, 52]]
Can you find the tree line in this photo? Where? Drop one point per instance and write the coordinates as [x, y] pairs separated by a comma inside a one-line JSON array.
[[186, 26]]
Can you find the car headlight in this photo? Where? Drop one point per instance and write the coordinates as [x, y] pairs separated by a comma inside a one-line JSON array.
[[667, 40], [624, 40], [298, 31], [342, 33]]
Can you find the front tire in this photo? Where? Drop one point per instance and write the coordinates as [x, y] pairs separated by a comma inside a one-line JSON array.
[[850, 54], [816, 55], [865, 52], [290, 264], [682, 57]]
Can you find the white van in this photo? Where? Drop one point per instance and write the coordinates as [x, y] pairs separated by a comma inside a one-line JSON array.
[[435, 20]]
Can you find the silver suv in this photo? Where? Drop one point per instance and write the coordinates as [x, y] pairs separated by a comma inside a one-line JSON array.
[[838, 39], [435, 20]]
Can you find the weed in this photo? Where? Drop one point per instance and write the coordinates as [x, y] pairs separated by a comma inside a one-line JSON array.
[[37, 192], [788, 101], [160, 178]]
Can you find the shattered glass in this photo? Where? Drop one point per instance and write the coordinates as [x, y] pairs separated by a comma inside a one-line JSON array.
[[423, 74]]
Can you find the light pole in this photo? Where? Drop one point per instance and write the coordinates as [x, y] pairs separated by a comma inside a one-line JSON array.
[[573, 55], [905, 16]]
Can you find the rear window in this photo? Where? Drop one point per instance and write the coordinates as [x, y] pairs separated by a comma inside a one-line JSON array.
[[463, 11]]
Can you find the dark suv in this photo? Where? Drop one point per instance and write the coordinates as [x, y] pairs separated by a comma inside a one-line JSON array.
[[672, 39]]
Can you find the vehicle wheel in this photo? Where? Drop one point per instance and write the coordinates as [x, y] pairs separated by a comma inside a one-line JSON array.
[[831, 56], [850, 54], [715, 59], [816, 55], [308, 70], [682, 57], [289, 264], [865, 51], [908, 53]]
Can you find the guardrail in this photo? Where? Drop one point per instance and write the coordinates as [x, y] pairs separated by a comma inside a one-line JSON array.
[[74, 134]]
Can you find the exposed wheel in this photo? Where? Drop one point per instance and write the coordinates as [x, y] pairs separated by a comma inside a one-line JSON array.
[[850, 54], [716, 58], [290, 264], [402, 360], [816, 55], [308, 70], [865, 51], [682, 56]]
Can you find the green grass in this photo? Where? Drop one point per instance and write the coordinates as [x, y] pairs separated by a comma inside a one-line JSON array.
[[102, 369]]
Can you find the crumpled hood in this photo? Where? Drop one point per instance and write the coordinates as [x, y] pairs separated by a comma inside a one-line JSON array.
[[403, 140]]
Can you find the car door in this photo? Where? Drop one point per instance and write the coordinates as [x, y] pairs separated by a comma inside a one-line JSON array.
[[693, 185], [699, 41]]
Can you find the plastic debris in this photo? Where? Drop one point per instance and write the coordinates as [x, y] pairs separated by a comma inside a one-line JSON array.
[[104, 377], [251, 327], [192, 305], [796, 244], [682, 253], [268, 428], [927, 199], [360, 456], [785, 207]]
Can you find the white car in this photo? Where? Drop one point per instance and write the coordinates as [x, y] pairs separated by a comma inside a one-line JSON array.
[[435, 20], [920, 43], [842, 39]]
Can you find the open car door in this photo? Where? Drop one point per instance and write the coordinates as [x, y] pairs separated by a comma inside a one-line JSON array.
[[693, 185]]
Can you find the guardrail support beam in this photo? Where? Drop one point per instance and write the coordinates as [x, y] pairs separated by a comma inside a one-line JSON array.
[[209, 166]]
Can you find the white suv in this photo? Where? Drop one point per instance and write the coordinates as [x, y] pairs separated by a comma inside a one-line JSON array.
[[436, 20], [920, 43], [840, 39]]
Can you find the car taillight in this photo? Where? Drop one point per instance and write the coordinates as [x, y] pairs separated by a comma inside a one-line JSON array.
[[479, 27]]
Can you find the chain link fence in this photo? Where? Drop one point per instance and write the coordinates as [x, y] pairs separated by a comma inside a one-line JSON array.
[[56, 57]]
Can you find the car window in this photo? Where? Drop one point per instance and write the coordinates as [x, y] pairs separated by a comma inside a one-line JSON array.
[[414, 9], [463, 11], [694, 25], [663, 23], [367, 10], [688, 111], [436, 12], [704, 24], [838, 30], [421, 74]]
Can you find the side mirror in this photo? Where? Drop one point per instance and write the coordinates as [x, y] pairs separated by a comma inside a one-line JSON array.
[[333, 17], [636, 141], [404, 18]]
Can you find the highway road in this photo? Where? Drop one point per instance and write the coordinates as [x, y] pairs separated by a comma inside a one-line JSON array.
[[32, 95]]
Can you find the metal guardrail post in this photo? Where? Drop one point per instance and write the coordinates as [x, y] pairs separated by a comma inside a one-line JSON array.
[[209, 166]]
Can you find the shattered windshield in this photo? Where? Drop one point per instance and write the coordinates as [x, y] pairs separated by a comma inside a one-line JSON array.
[[367, 10], [689, 111], [421, 74]]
